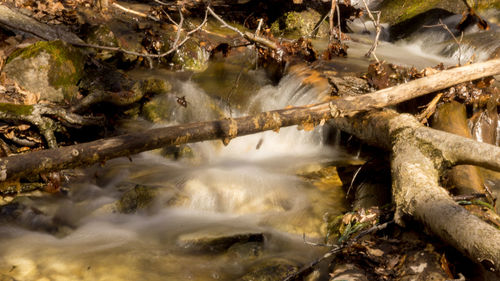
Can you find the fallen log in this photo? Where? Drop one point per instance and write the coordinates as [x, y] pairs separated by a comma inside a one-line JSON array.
[[420, 155], [16, 21], [101, 150]]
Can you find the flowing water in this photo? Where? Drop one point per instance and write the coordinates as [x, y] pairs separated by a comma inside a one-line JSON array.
[[156, 218]]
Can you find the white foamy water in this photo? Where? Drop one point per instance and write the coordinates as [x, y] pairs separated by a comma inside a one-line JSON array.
[[249, 186]]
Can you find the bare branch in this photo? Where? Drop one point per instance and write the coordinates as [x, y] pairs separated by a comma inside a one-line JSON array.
[[378, 29], [130, 11], [175, 46], [224, 24], [332, 11], [458, 42]]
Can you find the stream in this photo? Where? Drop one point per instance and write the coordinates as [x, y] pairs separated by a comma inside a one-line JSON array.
[[217, 212]]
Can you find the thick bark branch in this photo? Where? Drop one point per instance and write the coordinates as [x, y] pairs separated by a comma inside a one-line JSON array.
[[101, 150], [17, 21], [419, 155]]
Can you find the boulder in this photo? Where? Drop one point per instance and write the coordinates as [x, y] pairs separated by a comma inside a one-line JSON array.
[[50, 68], [216, 240], [299, 24]]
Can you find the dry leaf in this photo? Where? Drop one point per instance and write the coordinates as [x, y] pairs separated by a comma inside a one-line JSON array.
[[23, 127]]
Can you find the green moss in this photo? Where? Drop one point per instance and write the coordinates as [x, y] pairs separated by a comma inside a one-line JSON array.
[[487, 4], [296, 24], [66, 65], [395, 11], [155, 86], [16, 109]]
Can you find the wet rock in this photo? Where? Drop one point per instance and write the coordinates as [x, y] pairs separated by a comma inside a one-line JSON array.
[[245, 250], [21, 212], [191, 56], [183, 105], [231, 80], [348, 272], [396, 11], [104, 83], [159, 108], [416, 23], [139, 197], [50, 68], [474, 46], [177, 151], [102, 35], [273, 269], [216, 240], [299, 24]]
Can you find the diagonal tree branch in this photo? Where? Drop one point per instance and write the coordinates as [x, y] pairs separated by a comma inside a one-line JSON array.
[[226, 129]]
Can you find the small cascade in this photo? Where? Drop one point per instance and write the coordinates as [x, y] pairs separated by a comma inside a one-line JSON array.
[[151, 218]]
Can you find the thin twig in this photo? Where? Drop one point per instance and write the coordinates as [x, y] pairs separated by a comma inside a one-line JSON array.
[[378, 29], [168, 16], [458, 42], [247, 35], [175, 46], [179, 28], [161, 2], [259, 26], [338, 22], [430, 108], [332, 11], [224, 24], [134, 12]]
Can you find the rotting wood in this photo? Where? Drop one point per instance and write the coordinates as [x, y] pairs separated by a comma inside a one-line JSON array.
[[124, 145]]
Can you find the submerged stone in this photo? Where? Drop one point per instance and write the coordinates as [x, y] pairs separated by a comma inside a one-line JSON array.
[[139, 197], [273, 269], [50, 68], [216, 240]]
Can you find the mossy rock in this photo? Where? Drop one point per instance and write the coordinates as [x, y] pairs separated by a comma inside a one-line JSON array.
[[159, 108], [299, 24], [396, 11], [216, 240], [50, 68], [234, 83], [102, 35], [191, 56], [139, 197]]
